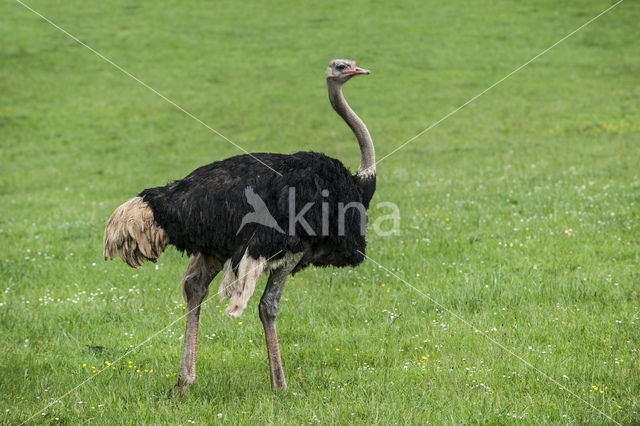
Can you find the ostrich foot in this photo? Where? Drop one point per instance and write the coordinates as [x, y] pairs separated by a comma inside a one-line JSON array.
[[184, 383], [278, 386]]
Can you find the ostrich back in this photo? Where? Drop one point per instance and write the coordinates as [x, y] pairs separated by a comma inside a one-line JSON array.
[[203, 212]]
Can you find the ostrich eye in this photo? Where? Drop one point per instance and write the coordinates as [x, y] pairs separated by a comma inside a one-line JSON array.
[[341, 67]]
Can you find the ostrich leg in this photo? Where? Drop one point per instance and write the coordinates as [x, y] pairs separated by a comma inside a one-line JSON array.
[[195, 287], [268, 308]]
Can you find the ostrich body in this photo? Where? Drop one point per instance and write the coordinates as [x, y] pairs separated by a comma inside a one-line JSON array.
[[316, 216]]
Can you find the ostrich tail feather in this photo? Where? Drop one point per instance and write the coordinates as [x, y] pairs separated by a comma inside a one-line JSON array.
[[133, 233]]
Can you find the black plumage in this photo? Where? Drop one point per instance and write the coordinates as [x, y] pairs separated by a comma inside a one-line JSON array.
[[203, 212]]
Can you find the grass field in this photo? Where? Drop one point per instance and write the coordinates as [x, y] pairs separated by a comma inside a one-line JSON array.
[[519, 213]]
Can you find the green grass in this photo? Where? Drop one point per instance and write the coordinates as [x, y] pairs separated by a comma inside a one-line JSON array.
[[519, 213]]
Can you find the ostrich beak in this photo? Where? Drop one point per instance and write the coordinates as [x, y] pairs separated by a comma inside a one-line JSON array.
[[356, 71]]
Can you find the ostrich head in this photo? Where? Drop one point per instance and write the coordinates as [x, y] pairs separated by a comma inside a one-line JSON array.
[[341, 70]]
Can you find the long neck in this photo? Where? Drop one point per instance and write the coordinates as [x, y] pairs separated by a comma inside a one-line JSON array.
[[367, 169]]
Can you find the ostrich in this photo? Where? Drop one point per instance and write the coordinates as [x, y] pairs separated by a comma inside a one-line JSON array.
[[240, 217]]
